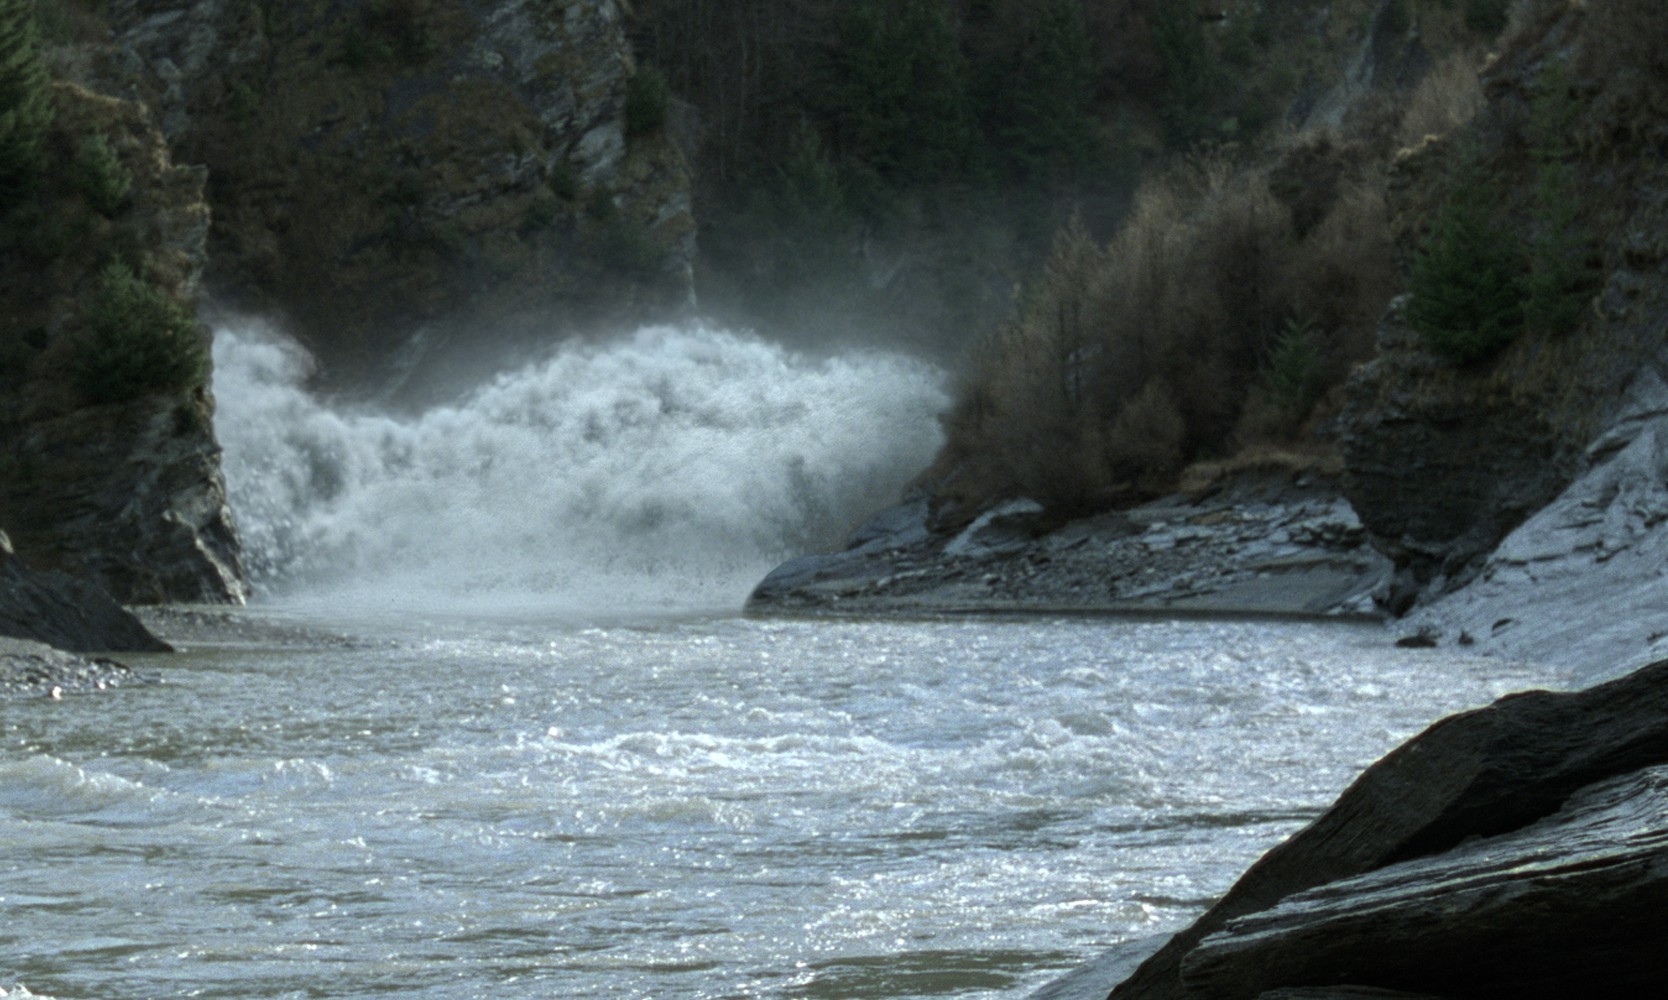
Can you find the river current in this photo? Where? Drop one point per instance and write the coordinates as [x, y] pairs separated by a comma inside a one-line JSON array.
[[494, 726]]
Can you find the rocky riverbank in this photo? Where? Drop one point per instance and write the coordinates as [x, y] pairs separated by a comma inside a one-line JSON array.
[[1513, 851], [1269, 541], [36, 670], [46, 619]]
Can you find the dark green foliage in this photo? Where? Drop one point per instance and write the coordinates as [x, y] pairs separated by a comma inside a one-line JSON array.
[[243, 105], [25, 103], [899, 100], [1486, 16], [1038, 100], [1291, 373], [1464, 282], [541, 214], [1194, 78], [564, 181], [386, 31], [138, 341], [648, 99], [1561, 276], [99, 175]]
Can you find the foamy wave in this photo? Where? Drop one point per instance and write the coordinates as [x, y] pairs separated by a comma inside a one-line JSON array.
[[47, 786], [671, 467]]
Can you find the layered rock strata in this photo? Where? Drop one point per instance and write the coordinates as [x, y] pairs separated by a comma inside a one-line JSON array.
[[122, 490]]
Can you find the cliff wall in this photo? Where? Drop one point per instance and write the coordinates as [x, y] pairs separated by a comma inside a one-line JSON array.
[[1445, 456], [110, 466], [419, 184]]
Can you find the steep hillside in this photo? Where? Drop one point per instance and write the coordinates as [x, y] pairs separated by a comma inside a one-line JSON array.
[[1533, 245], [484, 174], [108, 465]]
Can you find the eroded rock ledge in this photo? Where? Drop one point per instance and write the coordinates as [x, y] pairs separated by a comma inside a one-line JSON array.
[[1262, 543]]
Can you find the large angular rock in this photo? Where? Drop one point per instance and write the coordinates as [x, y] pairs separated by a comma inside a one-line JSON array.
[[121, 491], [68, 614], [1478, 774], [1574, 905]]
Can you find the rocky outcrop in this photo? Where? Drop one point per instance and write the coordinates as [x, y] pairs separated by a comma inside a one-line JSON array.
[[1439, 470], [451, 178], [1518, 850], [1442, 460], [66, 613], [1576, 904], [1261, 543], [115, 481]]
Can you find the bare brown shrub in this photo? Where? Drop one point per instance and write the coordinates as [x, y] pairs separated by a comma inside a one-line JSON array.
[[1449, 96], [1127, 363]]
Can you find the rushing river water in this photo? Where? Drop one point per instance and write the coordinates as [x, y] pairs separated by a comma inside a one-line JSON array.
[[683, 807], [494, 729]]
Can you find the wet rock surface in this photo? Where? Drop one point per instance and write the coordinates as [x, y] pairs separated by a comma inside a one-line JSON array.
[[1516, 850], [66, 613], [1574, 905], [30, 670], [1256, 544]]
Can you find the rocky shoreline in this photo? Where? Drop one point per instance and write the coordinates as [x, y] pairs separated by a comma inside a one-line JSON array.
[[31, 670], [1265, 542]]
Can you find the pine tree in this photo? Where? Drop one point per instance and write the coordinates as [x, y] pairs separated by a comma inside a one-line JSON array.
[[25, 104], [1041, 101], [1193, 78], [900, 94], [1464, 282]]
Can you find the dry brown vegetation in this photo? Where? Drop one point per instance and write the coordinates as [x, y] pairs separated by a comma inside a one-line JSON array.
[[1449, 96], [1129, 361]]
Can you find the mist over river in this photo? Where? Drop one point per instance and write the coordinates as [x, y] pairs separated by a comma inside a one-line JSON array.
[[494, 726]]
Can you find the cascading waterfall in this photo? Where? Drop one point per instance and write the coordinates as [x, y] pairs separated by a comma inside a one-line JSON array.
[[669, 469]]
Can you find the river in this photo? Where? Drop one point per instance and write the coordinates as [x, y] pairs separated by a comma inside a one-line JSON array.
[[495, 727]]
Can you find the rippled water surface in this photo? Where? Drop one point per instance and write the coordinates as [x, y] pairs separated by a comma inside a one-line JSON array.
[[677, 807]]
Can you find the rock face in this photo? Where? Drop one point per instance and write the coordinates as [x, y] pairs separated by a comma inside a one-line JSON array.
[[1442, 461], [1552, 910], [1517, 850], [124, 491], [1439, 471], [1263, 543], [450, 177], [66, 613]]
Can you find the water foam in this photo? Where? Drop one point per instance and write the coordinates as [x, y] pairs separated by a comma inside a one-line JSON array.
[[667, 469]]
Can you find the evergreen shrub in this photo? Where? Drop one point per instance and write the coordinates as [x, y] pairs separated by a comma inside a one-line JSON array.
[[100, 176], [138, 341], [648, 101], [1464, 284], [25, 103]]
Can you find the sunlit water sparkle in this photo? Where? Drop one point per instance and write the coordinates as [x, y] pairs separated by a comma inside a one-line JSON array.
[[496, 730]]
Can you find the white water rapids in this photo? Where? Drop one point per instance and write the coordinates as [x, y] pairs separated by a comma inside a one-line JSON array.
[[669, 469], [346, 790]]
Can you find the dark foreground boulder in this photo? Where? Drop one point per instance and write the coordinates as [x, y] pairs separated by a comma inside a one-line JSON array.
[[1580, 897], [67, 613]]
